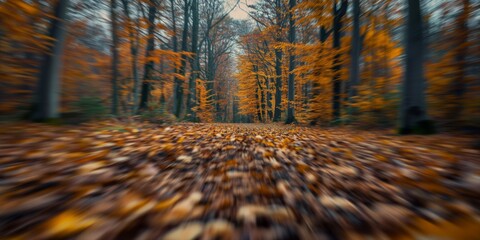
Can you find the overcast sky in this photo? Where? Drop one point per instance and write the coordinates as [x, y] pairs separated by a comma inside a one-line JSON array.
[[239, 11]]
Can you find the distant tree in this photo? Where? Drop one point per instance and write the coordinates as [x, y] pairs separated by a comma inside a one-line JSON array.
[[375, 101], [452, 66], [271, 17], [256, 65], [460, 83]]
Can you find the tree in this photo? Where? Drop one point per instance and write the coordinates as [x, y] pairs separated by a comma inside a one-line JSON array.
[[459, 85], [216, 41], [256, 65], [113, 15], [291, 65], [375, 102], [338, 15], [355, 52], [271, 16], [413, 112], [316, 56], [279, 22], [195, 62], [48, 87], [298, 60], [179, 79], [149, 64], [134, 45], [451, 65]]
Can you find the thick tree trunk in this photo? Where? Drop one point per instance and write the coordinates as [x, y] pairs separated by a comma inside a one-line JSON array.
[[147, 77], [134, 52], [337, 34], [355, 53], [195, 62], [48, 89], [413, 114], [291, 66], [277, 115], [179, 82]]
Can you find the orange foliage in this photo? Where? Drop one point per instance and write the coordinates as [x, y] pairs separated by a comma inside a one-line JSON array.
[[377, 95], [453, 93]]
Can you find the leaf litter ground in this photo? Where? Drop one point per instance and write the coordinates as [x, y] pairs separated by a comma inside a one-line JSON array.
[[112, 180]]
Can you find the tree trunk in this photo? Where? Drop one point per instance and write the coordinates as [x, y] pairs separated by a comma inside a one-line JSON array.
[[459, 84], [113, 12], [174, 46], [259, 97], [277, 115], [210, 70], [48, 89], [179, 82], [162, 80], [291, 66], [269, 99], [195, 63], [355, 53], [147, 77], [337, 34], [134, 52], [413, 114]]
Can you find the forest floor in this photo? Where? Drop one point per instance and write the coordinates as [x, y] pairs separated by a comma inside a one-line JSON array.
[[112, 180]]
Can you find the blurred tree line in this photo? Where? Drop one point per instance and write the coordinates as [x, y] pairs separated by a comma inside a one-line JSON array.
[[170, 57], [405, 63], [370, 63]]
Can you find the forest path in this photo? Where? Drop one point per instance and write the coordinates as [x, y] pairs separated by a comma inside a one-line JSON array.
[[233, 181]]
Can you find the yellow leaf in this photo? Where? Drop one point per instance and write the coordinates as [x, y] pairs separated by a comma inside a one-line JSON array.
[[67, 223]]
